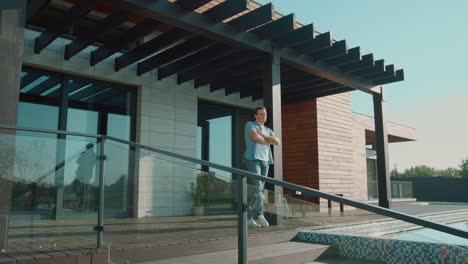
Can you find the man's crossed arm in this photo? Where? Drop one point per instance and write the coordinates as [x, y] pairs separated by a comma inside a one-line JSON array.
[[263, 139]]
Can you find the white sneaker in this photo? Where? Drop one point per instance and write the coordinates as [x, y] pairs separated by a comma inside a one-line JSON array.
[[252, 224], [262, 221]]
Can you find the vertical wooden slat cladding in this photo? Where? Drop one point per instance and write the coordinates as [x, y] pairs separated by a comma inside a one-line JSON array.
[[335, 148], [318, 145], [300, 148]]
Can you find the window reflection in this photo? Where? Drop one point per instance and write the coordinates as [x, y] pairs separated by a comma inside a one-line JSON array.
[[57, 176]]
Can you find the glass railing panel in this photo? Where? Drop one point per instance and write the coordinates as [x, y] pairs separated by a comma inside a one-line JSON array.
[[372, 190], [174, 201], [48, 206]]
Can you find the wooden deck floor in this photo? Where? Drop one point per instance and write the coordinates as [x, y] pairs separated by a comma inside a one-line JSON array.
[[45, 240]]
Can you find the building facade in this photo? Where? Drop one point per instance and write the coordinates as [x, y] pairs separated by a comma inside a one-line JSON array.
[[324, 142]]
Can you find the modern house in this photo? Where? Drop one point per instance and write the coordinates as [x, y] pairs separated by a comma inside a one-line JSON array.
[[181, 76], [112, 68]]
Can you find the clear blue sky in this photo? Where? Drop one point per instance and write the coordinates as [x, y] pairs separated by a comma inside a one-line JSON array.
[[429, 40]]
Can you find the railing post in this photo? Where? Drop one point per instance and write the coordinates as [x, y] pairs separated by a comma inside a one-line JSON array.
[[341, 204], [242, 232], [100, 225], [400, 189]]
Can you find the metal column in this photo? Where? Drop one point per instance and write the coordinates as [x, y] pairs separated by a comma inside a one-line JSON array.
[[383, 174], [100, 225], [272, 101], [242, 232]]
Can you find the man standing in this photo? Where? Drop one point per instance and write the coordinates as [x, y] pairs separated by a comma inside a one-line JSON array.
[[258, 158]]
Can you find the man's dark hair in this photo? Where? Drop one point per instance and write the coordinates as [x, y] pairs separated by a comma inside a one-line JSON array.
[[259, 108]]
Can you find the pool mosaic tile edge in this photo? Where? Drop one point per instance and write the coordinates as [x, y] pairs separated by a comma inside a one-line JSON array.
[[392, 251]]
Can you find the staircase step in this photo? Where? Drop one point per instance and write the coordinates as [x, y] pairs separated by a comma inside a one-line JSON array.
[[277, 253]]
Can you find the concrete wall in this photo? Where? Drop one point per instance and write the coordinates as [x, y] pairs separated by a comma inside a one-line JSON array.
[[166, 119], [396, 132], [360, 162], [11, 54]]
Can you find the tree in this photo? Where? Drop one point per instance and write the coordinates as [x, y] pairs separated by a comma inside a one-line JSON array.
[[419, 171], [450, 172], [464, 168], [395, 174]]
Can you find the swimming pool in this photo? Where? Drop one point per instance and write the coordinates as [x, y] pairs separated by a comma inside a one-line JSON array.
[[430, 235], [384, 241]]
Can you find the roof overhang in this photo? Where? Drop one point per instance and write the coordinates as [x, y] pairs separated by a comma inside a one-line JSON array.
[[217, 43]]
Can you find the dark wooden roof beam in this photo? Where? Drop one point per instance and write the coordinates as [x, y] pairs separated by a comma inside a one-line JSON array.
[[254, 18], [188, 62], [296, 37], [214, 66], [294, 75], [379, 66], [226, 9], [306, 84], [184, 50], [308, 87], [332, 92], [276, 28], [249, 20], [236, 72], [235, 86], [218, 13], [388, 73], [322, 41], [113, 20], [76, 12], [35, 7], [192, 4], [199, 24], [311, 93], [353, 55], [367, 61], [339, 48], [254, 90], [399, 76], [130, 35], [156, 44]]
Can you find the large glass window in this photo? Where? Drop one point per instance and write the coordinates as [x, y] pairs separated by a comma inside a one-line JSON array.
[[52, 100], [221, 133], [220, 139]]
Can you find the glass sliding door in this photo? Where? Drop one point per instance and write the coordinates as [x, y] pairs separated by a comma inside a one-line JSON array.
[[81, 179], [220, 139], [51, 100]]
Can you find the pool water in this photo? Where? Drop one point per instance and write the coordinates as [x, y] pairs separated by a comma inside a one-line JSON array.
[[430, 235]]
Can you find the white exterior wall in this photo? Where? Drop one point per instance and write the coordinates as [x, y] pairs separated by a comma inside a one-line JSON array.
[[166, 119]]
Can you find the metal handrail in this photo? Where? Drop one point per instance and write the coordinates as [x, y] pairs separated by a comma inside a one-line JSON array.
[[306, 190]]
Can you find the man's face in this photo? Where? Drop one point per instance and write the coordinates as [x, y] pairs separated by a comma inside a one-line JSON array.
[[261, 116]]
